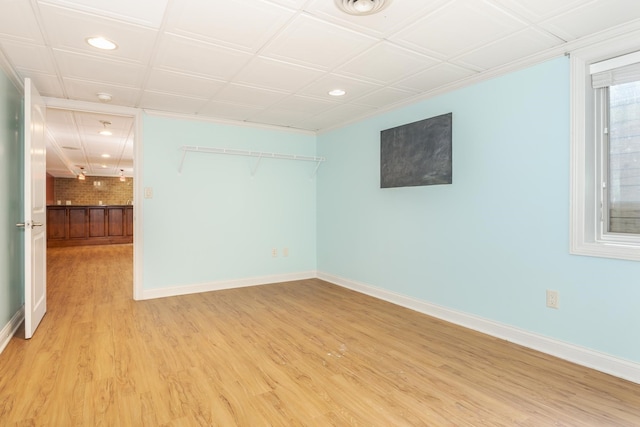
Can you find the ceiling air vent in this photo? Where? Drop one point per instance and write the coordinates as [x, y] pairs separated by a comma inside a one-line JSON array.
[[362, 7]]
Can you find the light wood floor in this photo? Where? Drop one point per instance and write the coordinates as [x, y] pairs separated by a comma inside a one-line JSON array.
[[288, 354]]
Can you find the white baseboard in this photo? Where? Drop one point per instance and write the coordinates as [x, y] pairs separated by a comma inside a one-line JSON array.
[[10, 328], [580, 355], [225, 284]]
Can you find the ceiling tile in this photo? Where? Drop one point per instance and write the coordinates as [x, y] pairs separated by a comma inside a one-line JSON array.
[[62, 126], [293, 4], [306, 104], [240, 94], [341, 114], [277, 75], [385, 97], [17, 21], [217, 22], [229, 111], [277, 117], [182, 84], [508, 49], [92, 124], [592, 18], [87, 67], [309, 41], [440, 75], [86, 90], [353, 87], [68, 30], [172, 103], [458, 27], [386, 62], [536, 10], [148, 13], [181, 54], [27, 56], [47, 84]]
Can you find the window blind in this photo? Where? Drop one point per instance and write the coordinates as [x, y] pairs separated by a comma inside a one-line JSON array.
[[615, 71]]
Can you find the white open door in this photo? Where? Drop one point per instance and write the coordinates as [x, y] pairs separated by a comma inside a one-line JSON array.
[[35, 210]]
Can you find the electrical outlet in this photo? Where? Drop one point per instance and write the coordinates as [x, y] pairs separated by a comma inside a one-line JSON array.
[[552, 299], [148, 192], [274, 252], [285, 252]]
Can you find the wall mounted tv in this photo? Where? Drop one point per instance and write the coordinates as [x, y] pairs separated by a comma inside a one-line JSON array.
[[417, 154]]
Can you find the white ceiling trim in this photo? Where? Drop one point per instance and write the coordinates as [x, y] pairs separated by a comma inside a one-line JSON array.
[[191, 117]]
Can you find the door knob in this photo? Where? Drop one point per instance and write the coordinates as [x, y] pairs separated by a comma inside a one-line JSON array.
[[36, 224], [20, 224]]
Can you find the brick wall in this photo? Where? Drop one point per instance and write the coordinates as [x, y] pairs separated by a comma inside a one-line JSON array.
[[93, 190]]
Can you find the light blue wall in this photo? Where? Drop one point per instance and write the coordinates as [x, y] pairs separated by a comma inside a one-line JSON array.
[[215, 221], [11, 182], [494, 240]]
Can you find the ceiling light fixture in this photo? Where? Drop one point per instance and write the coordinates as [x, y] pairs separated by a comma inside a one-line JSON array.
[[81, 175], [337, 92], [102, 43], [105, 156], [105, 131], [122, 178], [104, 97], [361, 7]]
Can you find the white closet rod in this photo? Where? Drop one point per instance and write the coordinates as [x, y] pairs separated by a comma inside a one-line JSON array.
[[259, 154]]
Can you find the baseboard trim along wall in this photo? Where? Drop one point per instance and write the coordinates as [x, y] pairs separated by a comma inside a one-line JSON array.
[[580, 355], [10, 328], [225, 284]]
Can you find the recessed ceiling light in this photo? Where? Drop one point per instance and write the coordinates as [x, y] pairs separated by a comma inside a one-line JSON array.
[[102, 43], [361, 7], [105, 156], [337, 92]]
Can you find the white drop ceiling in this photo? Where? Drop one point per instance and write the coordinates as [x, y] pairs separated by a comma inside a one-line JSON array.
[[269, 62]]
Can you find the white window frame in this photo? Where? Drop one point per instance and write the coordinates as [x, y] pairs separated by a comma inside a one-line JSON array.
[[586, 237]]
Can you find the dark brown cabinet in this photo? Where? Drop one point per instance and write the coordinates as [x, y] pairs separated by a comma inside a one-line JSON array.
[[56, 223], [115, 222], [89, 225], [77, 224]]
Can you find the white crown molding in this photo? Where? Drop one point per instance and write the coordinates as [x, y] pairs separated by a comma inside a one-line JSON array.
[[10, 328], [606, 363], [225, 284], [194, 117]]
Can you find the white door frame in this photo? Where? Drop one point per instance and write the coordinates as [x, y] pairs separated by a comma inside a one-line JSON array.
[[136, 114]]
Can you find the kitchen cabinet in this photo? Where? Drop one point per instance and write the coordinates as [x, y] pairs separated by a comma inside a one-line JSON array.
[[89, 225]]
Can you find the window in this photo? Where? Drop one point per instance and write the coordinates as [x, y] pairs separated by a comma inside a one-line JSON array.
[[605, 152]]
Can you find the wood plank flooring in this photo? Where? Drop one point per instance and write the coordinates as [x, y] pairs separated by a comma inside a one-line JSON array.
[[302, 353]]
